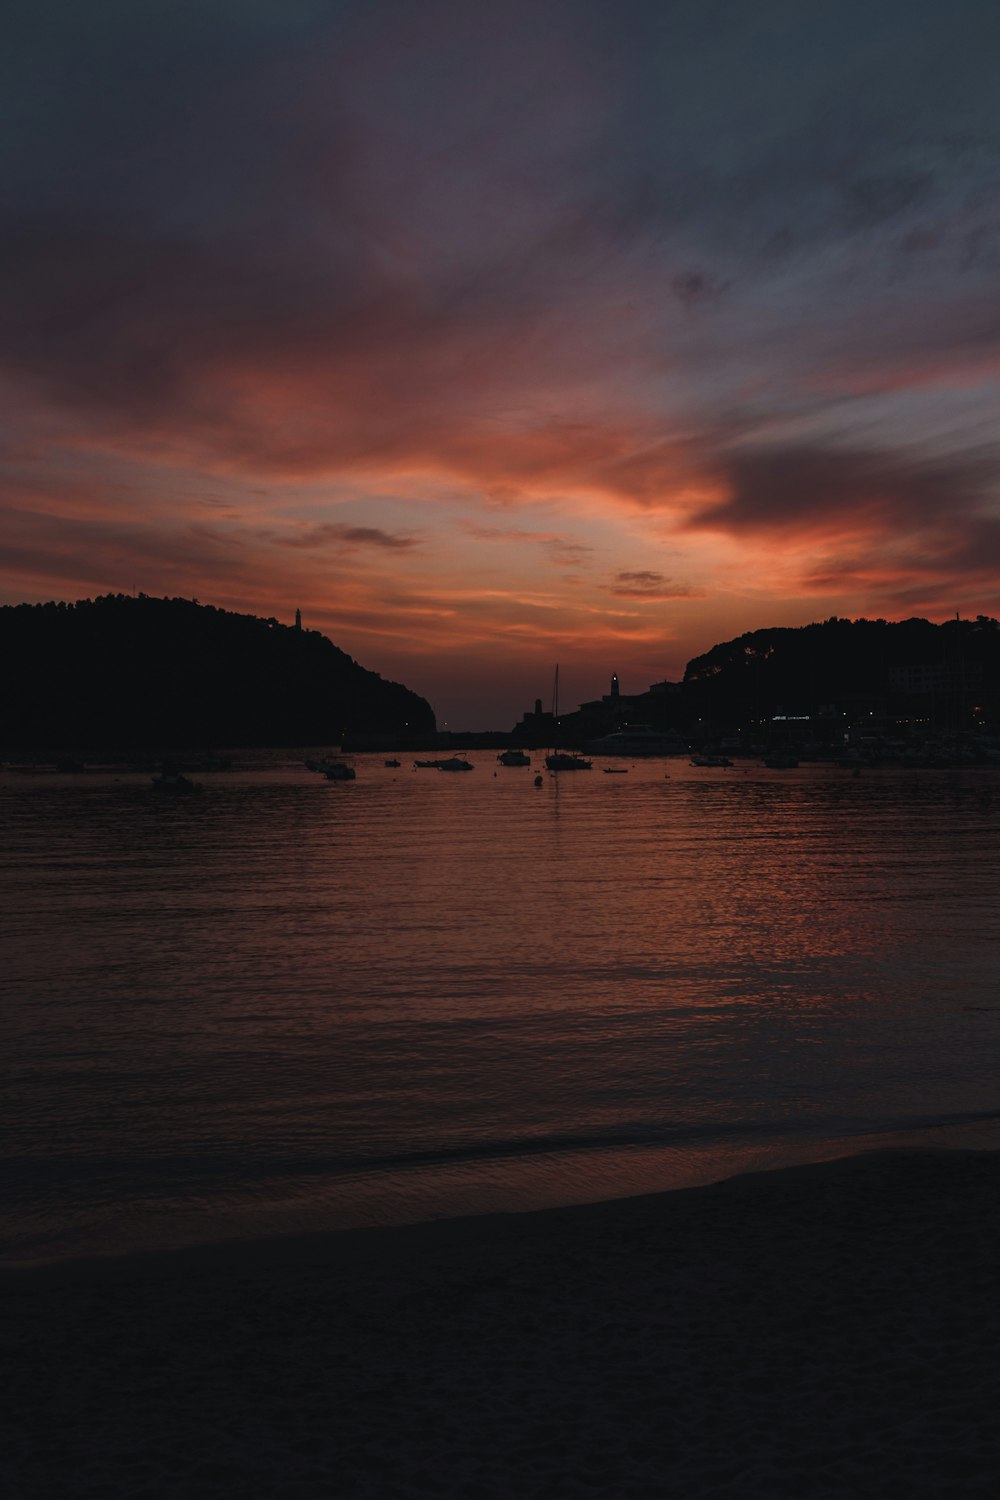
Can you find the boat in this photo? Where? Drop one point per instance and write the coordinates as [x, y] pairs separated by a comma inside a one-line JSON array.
[[322, 765], [514, 758], [456, 763], [615, 771], [710, 760], [173, 783], [561, 760], [428, 765], [635, 740], [338, 771], [391, 763]]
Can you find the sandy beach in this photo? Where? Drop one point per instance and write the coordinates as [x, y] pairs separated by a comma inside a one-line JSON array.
[[829, 1330]]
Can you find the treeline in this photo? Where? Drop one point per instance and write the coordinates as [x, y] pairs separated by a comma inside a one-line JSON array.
[[140, 671]]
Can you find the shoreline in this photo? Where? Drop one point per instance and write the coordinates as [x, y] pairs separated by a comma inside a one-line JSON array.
[[827, 1329], [662, 1175]]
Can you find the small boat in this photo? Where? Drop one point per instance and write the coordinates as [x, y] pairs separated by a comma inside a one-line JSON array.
[[710, 760], [391, 763], [174, 783], [514, 758], [615, 771], [339, 772], [322, 765], [428, 765], [562, 761], [455, 764]]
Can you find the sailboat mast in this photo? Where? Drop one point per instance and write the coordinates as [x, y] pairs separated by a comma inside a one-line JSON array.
[[555, 695]]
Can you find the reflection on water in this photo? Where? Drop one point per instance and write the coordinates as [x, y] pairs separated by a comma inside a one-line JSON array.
[[286, 1004]]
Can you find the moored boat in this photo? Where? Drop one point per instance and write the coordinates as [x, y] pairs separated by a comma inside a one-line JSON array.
[[561, 760], [321, 764], [174, 784], [636, 740], [514, 758]]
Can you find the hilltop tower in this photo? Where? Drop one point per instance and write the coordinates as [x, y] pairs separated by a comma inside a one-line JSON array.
[[614, 684], [298, 621]]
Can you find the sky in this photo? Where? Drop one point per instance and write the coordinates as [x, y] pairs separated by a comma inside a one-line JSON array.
[[588, 332]]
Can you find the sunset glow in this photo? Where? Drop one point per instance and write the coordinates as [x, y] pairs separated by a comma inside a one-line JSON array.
[[495, 337]]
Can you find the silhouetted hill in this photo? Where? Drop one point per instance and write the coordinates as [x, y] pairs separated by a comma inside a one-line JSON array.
[[130, 671], [838, 661]]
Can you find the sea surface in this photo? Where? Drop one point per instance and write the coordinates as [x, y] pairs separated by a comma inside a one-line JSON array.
[[284, 1005]]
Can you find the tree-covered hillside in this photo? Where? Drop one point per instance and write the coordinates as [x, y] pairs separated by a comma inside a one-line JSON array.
[[127, 671], [799, 670]]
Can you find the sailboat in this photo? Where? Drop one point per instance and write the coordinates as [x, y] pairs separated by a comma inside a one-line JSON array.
[[561, 760]]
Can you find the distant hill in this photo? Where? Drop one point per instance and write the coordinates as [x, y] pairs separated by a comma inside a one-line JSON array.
[[798, 670], [124, 671]]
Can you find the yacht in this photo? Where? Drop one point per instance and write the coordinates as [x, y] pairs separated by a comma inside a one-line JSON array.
[[561, 760], [636, 739]]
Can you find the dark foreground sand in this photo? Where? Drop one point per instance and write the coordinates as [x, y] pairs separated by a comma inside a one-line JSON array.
[[821, 1331]]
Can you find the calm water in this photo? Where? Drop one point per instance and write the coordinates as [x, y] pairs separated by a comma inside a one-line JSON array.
[[285, 1004]]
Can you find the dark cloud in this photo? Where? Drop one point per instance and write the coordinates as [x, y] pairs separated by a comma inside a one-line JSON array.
[[695, 287], [332, 532], [645, 584], [816, 490]]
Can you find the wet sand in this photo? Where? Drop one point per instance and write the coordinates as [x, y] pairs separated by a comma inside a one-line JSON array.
[[821, 1331]]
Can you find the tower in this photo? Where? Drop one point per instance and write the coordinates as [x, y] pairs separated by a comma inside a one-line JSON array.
[[614, 684], [298, 620]]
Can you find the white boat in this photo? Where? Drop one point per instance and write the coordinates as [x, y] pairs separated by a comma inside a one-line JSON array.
[[635, 740]]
